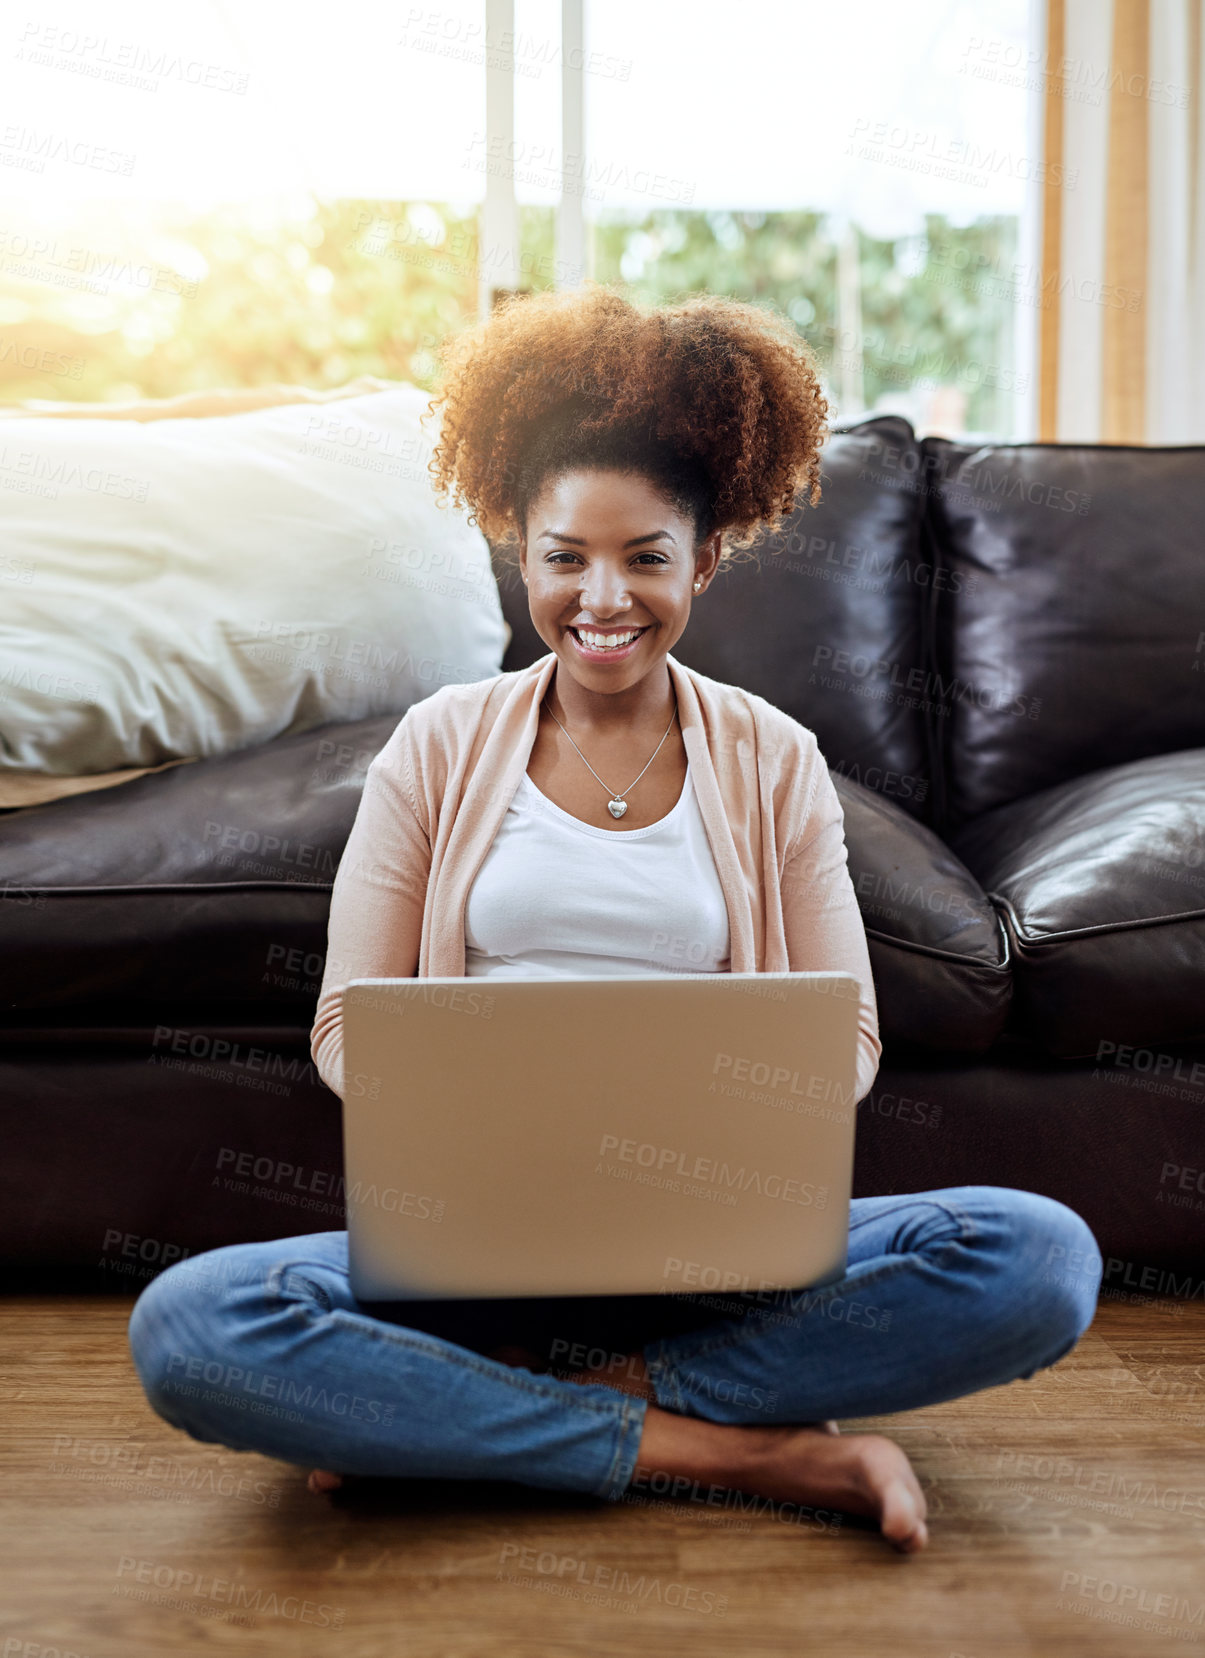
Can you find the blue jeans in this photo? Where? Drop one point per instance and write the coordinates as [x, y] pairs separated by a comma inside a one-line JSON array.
[[262, 1347]]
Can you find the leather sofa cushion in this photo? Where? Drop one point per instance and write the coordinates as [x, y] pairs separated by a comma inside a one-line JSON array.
[[209, 884], [1102, 884], [937, 949], [827, 622], [1071, 625]]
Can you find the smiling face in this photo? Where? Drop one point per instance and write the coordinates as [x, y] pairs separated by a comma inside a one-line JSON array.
[[611, 568]]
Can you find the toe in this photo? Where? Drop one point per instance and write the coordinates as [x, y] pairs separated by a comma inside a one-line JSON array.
[[918, 1539], [899, 1518]]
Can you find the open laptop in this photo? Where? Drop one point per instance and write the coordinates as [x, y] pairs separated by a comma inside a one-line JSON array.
[[598, 1136]]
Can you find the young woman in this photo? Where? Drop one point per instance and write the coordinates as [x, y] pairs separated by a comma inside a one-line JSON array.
[[609, 810]]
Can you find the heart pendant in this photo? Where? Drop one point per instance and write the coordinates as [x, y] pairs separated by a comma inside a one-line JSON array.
[[617, 807]]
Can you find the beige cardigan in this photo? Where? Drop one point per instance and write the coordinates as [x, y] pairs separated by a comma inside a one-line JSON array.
[[437, 792]]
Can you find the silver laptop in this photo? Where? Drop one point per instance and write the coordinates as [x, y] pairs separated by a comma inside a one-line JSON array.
[[684, 1134]]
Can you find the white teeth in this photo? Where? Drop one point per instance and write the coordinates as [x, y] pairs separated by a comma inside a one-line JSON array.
[[606, 641]]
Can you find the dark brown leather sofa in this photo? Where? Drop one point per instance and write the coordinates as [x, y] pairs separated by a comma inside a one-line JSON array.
[[1002, 651]]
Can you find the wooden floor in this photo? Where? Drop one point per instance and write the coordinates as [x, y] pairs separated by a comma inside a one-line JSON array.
[[1067, 1517]]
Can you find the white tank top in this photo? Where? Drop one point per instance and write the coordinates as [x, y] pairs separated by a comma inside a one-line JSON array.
[[555, 895]]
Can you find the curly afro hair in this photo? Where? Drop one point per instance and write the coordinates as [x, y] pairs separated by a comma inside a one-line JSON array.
[[715, 401]]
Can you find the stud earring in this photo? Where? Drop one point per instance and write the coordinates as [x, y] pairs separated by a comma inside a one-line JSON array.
[[698, 584]]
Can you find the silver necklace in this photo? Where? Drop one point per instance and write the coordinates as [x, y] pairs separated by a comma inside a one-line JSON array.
[[617, 805]]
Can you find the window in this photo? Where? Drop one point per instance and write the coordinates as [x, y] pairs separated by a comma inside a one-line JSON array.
[[217, 196]]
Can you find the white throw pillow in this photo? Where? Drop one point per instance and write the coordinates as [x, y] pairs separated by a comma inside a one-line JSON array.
[[188, 587]]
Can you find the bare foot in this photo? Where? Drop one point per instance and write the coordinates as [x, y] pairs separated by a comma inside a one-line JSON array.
[[864, 1474], [808, 1462]]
